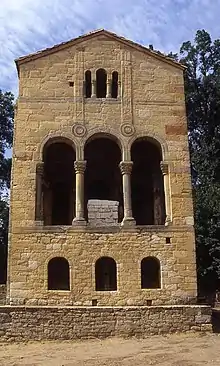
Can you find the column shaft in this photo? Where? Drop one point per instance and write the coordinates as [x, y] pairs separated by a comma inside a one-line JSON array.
[[93, 89], [39, 184], [126, 168], [164, 169], [119, 89], [79, 169], [109, 95]]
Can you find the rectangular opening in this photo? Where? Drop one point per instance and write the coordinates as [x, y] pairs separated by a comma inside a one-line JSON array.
[[149, 302], [71, 83], [94, 302], [168, 240]]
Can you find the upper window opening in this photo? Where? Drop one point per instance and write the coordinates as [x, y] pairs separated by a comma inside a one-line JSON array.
[[115, 84], [58, 274], [106, 274], [150, 273], [101, 83], [88, 84]]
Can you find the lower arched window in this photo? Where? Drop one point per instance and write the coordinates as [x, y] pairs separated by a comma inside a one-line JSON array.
[[150, 273], [105, 274], [58, 274]]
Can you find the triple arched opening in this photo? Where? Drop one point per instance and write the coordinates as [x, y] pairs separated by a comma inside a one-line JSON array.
[[103, 179], [101, 84]]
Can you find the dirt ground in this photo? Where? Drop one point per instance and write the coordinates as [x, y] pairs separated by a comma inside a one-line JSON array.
[[172, 350]]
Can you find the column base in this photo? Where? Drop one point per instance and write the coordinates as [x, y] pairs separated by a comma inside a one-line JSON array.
[[39, 223], [128, 222], [79, 221], [167, 221]]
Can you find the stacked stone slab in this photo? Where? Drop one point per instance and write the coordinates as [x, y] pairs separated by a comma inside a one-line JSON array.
[[102, 213]]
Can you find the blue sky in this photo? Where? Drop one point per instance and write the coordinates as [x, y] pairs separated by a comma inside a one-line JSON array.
[[27, 26]]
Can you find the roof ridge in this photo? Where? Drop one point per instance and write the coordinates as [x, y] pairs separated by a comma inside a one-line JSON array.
[[93, 33]]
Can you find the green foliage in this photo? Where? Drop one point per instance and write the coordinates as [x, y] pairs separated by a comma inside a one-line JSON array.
[[6, 135], [202, 87]]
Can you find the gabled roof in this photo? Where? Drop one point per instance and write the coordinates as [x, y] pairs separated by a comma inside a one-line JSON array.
[[94, 34]]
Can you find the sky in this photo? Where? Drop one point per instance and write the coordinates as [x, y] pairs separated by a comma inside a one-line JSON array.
[[27, 26]]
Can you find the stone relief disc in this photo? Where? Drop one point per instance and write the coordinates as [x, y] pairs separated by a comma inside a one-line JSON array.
[[127, 130], [79, 130]]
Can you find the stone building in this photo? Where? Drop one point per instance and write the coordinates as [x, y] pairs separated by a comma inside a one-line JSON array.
[[101, 203]]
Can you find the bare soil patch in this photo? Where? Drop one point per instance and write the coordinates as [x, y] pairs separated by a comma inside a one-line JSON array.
[[173, 350]]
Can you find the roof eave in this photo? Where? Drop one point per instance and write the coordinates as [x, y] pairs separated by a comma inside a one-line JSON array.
[[24, 59]]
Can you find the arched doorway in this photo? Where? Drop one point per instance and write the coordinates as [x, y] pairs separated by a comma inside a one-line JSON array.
[[59, 183], [147, 188], [103, 179]]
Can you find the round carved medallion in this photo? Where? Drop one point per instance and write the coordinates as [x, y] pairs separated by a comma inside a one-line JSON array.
[[127, 130], [79, 130]]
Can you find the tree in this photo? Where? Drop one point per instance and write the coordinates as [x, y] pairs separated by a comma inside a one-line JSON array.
[[202, 87], [6, 135]]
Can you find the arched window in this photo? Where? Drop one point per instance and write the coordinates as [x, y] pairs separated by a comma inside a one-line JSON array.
[[105, 274], [58, 274], [150, 273], [101, 80], [88, 84], [114, 84], [147, 186]]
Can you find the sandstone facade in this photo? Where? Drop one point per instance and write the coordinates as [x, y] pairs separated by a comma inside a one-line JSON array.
[[52, 107]]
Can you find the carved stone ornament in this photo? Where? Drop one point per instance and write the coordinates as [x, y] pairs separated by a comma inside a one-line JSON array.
[[127, 130], [164, 168], [79, 130], [40, 168], [80, 166], [126, 167]]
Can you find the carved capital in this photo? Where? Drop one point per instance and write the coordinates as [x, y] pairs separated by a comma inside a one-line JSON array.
[[40, 168], [126, 167], [80, 166], [164, 168]]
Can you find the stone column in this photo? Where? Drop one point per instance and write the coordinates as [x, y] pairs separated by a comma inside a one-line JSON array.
[[119, 89], [126, 168], [93, 95], [80, 167], [109, 84], [164, 169], [39, 186]]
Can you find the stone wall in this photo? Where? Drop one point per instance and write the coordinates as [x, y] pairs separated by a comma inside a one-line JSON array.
[[2, 294], [102, 213], [38, 323], [83, 248]]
